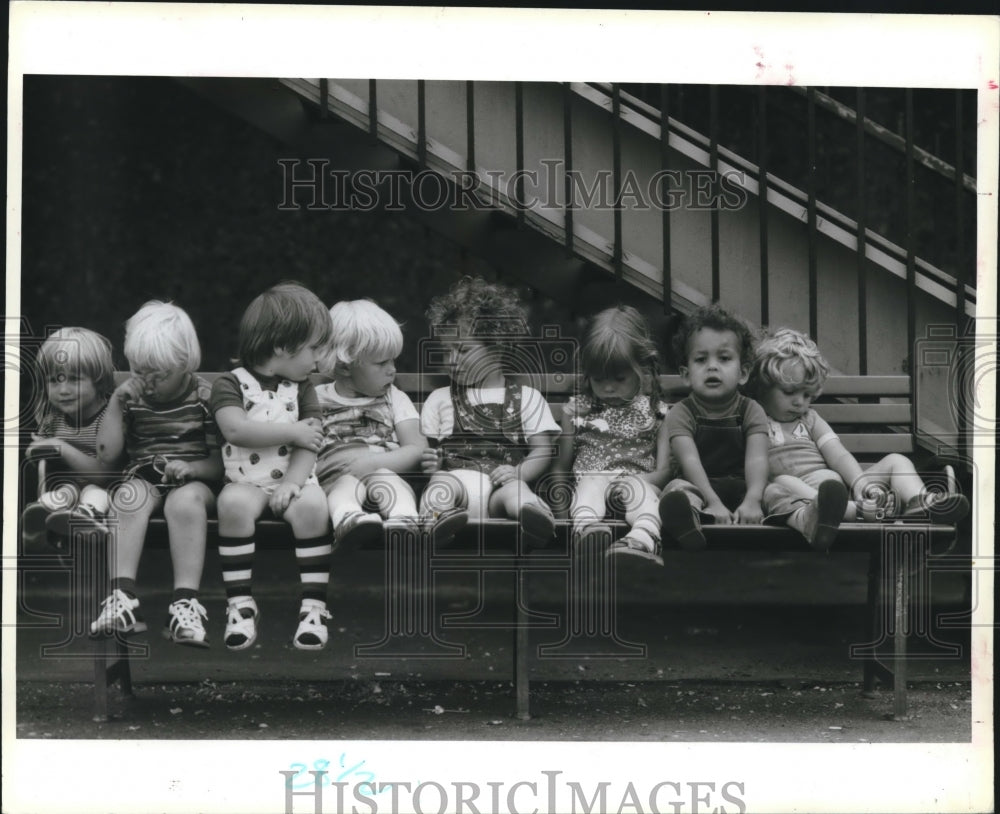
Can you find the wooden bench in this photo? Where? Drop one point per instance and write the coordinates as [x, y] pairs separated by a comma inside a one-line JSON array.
[[873, 416]]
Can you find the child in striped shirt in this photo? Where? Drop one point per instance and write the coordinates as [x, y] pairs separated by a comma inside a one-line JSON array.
[[159, 420], [78, 376]]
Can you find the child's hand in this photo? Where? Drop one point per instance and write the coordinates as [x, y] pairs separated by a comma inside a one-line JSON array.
[[177, 471], [307, 434], [282, 497], [502, 475], [719, 513], [429, 460], [132, 389], [748, 513]]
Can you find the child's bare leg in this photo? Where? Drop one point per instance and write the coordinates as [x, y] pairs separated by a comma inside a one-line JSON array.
[[639, 500], [466, 489], [353, 527], [895, 472], [589, 505], [516, 499], [134, 503], [393, 495], [186, 512], [307, 514], [240, 505], [444, 504], [344, 497]]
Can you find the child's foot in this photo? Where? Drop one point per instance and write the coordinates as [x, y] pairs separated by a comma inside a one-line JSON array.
[[946, 508], [83, 519], [634, 548], [680, 521], [119, 614], [311, 633], [821, 517], [186, 623], [538, 525], [357, 530], [444, 525], [242, 616], [592, 541]]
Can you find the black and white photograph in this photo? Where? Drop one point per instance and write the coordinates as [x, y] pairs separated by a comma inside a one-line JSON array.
[[398, 421]]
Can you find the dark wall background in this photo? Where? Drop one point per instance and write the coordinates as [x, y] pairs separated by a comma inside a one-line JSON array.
[[135, 188]]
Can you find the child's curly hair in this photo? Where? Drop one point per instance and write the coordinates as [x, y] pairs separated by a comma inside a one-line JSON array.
[[778, 352], [716, 318], [480, 310]]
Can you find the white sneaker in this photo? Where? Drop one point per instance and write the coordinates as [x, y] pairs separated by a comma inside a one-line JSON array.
[[119, 614], [311, 633], [242, 616], [186, 623]]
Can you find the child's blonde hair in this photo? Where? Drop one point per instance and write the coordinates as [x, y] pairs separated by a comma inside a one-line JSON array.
[[779, 351], [360, 329], [617, 339], [77, 352], [160, 336]]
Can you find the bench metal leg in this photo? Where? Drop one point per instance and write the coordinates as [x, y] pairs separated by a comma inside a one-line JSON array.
[[900, 597], [111, 664], [522, 650], [874, 670]]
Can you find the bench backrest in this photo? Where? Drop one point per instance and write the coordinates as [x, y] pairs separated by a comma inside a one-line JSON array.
[[872, 414]]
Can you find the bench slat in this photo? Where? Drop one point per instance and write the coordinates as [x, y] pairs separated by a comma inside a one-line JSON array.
[[561, 383], [875, 414], [878, 443], [865, 413], [552, 384]]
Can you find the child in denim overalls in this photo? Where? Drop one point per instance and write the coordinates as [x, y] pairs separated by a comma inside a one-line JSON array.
[[718, 438], [493, 437]]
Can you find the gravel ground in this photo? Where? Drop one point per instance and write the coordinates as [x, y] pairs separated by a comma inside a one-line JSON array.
[[477, 710]]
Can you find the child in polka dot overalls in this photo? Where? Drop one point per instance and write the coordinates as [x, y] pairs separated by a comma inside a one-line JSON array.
[[268, 412]]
